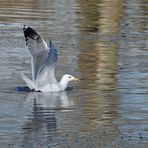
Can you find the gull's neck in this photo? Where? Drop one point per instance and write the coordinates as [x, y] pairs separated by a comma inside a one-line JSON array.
[[63, 84]]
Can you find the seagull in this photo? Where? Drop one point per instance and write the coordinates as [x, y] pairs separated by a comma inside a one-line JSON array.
[[43, 61]]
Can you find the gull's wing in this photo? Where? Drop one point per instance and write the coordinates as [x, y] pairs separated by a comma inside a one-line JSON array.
[[46, 71], [37, 49], [43, 57], [34, 41]]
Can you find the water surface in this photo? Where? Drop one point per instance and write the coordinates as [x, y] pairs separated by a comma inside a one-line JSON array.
[[105, 44]]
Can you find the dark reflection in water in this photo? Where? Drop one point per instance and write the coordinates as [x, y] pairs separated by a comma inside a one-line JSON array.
[[103, 42]]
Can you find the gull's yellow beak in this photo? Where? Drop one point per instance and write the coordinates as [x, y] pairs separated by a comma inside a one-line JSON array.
[[76, 79]]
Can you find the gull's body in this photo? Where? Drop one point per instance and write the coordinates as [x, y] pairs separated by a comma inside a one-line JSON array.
[[43, 60]]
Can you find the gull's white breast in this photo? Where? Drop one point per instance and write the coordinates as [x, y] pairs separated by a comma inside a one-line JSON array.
[[50, 88]]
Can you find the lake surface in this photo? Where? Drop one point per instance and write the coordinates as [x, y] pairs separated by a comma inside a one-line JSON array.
[[105, 43]]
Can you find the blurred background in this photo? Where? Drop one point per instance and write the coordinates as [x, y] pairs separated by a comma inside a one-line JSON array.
[[103, 42]]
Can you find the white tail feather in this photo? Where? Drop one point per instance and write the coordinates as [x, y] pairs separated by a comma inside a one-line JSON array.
[[29, 83]]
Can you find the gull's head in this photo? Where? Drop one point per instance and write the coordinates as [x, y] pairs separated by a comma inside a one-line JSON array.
[[65, 79], [69, 78]]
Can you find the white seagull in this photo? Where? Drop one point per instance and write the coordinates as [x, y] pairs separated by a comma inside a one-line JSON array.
[[43, 60]]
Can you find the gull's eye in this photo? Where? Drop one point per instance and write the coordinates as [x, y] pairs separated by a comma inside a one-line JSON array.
[[70, 77]]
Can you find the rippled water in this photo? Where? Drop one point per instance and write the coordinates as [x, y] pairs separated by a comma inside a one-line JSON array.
[[103, 42]]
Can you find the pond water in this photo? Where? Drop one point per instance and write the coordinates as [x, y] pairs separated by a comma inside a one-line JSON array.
[[105, 43]]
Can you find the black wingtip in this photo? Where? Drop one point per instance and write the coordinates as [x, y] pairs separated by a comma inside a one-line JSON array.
[[25, 27], [25, 33], [25, 30], [30, 33]]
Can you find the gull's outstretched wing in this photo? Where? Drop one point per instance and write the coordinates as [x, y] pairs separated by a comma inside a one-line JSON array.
[[34, 41], [43, 57], [37, 48]]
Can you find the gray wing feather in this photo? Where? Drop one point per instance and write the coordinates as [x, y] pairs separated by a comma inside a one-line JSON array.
[[34, 41], [38, 62], [46, 73], [43, 59]]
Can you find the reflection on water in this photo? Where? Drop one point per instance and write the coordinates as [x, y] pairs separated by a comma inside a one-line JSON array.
[[42, 124], [103, 42], [99, 70]]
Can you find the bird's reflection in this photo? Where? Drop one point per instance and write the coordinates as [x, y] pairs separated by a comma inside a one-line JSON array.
[[42, 123], [53, 100], [43, 115]]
